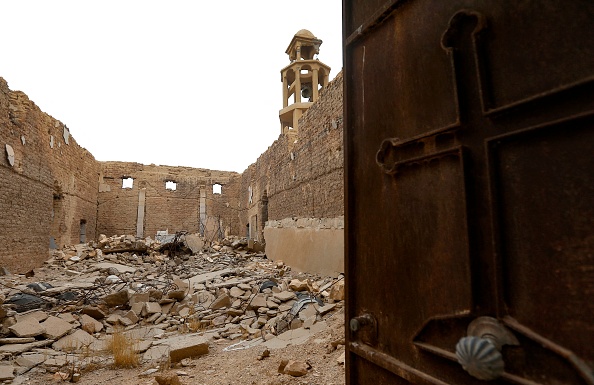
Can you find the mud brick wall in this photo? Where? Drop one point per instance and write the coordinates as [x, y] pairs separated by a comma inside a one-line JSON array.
[[301, 174], [164, 209], [50, 188]]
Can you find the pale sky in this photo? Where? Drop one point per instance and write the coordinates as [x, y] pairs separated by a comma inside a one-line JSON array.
[[163, 81]]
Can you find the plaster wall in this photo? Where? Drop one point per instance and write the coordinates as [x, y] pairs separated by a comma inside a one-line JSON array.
[[307, 244]]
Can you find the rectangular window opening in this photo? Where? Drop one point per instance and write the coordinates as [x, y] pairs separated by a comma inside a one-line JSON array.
[[217, 188], [127, 182], [170, 185]]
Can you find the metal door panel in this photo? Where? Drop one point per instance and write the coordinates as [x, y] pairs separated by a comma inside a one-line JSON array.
[[469, 187], [548, 270]]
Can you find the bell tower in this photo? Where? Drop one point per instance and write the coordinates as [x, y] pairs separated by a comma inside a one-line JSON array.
[[303, 79]]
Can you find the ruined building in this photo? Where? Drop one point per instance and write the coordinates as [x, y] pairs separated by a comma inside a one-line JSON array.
[[53, 192]]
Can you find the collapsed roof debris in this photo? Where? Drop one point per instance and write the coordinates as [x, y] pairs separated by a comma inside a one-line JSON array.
[[173, 299]]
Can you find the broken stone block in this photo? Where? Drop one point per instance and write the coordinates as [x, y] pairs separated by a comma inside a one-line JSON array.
[[297, 285], [68, 317], [155, 295], [156, 353], [236, 292], [165, 309], [74, 341], [219, 321], [131, 315], [326, 308], [296, 368], [184, 312], [153, 318], [168, 379], [139, 297], [28, 327], [222, 301], [14, 349], [284, 295], [114, 319], [308, 311], [176, 294], [282, 365], [29, 360], [258, 301], [8, 341], [137, 307], [6, 372], [152, 308], [56, 327], [181, 284], [194, 242], [116, 299], [37, 315], [180, 347], [337, 291], [94, 312], [90, 324]]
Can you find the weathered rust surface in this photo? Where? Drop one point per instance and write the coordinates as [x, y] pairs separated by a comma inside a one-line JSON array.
[[469, 187]]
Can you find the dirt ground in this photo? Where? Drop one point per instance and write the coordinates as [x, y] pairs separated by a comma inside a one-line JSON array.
[[231, 367]]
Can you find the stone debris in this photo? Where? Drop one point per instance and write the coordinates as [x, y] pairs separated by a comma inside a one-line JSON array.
[[296, 368], [173, 298], [168, 379]]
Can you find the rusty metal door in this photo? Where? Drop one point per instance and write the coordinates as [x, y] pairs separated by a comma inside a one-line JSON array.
[[470, 191]]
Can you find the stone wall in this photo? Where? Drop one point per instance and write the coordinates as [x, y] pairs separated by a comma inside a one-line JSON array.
[[191, 204], [56, 190], [300, 176], [48, 189]]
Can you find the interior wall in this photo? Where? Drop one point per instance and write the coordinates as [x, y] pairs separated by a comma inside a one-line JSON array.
[[163, 208], [48, 183]]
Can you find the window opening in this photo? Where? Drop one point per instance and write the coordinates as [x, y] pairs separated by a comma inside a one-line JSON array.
[[217, 188], [127, 182], [170, 185], [83, 231]]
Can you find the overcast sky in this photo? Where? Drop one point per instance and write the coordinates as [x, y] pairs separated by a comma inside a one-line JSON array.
[[163, 82]]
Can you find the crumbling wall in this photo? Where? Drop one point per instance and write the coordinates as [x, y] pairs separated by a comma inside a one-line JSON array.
[[149, 206], [48, 183], [300, 176]]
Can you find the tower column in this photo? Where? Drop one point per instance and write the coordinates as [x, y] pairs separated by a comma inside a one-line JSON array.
[[298, 85], [285, 91], [314, 84]]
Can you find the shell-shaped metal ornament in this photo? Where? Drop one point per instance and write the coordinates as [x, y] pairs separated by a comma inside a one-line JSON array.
[[480, 358]]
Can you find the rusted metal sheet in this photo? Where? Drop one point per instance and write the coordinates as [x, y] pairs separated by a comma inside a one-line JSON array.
[[469, 191]]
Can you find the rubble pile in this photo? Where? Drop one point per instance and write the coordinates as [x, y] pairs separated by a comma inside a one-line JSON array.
[[171, 297]]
